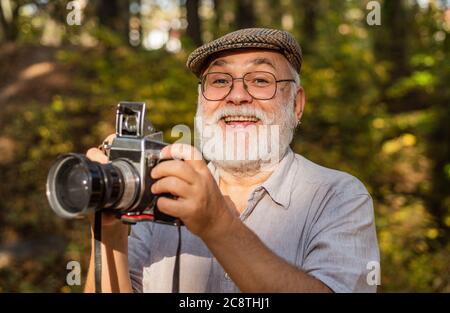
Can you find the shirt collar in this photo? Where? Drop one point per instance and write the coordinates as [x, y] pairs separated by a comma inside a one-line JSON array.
[[279, 185]]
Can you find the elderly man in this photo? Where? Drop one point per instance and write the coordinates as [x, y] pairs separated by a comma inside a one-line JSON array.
[[276, 222]]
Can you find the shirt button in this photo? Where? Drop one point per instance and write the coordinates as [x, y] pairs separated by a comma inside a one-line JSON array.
[[227, 277]]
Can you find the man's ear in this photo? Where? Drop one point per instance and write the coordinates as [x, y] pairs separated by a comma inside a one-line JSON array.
[[299, 104]]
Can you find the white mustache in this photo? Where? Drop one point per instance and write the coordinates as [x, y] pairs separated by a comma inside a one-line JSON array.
[[245, 111]]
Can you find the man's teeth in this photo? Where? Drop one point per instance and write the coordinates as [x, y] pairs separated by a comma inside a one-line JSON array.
[[229, 119]]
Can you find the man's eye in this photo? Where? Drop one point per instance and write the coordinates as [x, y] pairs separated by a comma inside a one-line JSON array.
[[260, 82], [220, 82]]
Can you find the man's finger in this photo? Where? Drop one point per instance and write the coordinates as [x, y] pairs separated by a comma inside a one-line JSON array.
[[184, 152], [109, 139], [96, 155], [170, 206], [175, 168], [172, 185]]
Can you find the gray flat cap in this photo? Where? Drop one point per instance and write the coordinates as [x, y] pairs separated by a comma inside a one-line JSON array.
[[262, 38]]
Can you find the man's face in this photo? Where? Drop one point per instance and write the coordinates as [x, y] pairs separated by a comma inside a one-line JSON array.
[[252, 132]]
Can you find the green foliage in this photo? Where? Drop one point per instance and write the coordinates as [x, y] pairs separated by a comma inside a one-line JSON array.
[[384, 124], [76, 121]]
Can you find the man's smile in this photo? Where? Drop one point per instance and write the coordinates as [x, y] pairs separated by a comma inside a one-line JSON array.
[[240, 120]]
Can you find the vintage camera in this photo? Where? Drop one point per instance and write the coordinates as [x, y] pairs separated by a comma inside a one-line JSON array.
[[77, 186]]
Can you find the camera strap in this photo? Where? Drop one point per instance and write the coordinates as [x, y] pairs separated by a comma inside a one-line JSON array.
[[98, 256], [98, 251], [176, 269]]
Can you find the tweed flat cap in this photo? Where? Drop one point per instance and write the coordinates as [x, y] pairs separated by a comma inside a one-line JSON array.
[[263, 38]]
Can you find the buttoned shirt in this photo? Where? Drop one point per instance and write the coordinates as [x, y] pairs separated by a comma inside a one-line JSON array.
[[318, 219]]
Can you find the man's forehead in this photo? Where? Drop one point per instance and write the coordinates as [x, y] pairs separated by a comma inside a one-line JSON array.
[[271, 58]]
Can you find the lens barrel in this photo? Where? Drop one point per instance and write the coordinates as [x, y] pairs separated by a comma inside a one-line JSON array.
[[77, 186]]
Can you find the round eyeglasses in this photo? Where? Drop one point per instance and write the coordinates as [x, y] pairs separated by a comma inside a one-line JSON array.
[[260, 85]]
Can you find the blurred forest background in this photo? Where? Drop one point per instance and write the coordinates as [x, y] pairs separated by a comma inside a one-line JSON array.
[[378, 107]]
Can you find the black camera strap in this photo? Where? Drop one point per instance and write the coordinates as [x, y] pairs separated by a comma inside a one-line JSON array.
[[176, 269], [98, 256], [98, 251]]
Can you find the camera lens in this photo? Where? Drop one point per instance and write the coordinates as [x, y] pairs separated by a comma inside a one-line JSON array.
[[77, 186], [72, 187]]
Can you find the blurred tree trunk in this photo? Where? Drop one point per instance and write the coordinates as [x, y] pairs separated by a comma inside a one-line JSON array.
[[393, 43], [395, 23], [10, 28], [439, 153], [194, 29], [277, 10], [310, 9], [438, 150], [245, 14], [114, 15], [306, 13], [217, 17]]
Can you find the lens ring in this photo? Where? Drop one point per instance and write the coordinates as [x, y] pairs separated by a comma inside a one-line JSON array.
[[69, 207], [131, 184]]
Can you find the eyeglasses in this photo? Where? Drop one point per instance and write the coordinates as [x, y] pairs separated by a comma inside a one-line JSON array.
[[217, 86]]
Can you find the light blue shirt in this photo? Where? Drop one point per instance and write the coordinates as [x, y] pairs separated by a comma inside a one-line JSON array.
[[318, 219]]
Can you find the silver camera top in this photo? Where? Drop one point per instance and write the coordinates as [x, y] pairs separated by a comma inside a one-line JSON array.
[[131, 123], [130, 119]]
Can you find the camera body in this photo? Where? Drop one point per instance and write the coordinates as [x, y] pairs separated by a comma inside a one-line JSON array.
[[77, 186], [142, 151]]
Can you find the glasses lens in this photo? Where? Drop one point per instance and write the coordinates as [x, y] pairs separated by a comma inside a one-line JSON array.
[[261, 85], [216, 85]]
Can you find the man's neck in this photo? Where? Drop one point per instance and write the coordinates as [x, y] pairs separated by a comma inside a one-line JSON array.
[[243, 181], [238, 187]]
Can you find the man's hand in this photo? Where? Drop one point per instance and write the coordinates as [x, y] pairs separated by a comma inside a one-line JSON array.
[[204, 210], [199, 202], [97, 155]]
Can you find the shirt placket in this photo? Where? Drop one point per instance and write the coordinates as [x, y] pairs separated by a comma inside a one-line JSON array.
[[225, 281], [253, 200]]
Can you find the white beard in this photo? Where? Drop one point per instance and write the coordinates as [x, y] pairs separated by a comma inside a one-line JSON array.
[[245, 151]]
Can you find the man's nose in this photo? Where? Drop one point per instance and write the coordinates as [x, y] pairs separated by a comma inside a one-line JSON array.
[[238, 94]]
